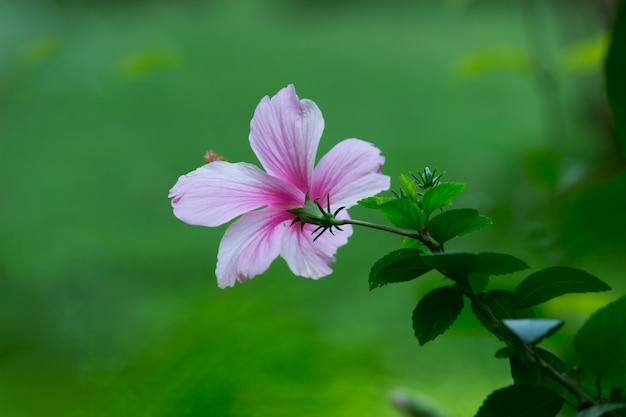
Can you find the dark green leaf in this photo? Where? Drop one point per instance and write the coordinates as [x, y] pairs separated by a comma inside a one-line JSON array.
[[521, 401], [435, 312], [532, 331], [409, 187], [498, 302], [525, 372], [456, 222], [500, 263], [506, 352], [440, 196], [403, 213], [458, 265], [600, 344], [373, 202], [478, 282], [615, 68], [600, 409], [397, 266], [552, 282]]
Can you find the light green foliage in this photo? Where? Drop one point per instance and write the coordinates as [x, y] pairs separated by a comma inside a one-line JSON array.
[[457, 222], [409, 187], [440, 196], [373, 202], [403, 213]]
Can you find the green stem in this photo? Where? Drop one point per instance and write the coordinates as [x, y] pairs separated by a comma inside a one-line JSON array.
[[433, 246], [584, 400]]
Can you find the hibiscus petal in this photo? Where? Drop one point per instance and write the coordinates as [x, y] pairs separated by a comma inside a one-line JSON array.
[[284, 134], [312, 259], [349, 172], [220, 191], [250, 245]]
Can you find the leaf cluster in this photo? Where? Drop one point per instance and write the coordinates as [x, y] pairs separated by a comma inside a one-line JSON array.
[[542, 382]]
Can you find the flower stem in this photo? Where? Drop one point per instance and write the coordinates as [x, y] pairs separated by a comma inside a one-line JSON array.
[[433, 246]]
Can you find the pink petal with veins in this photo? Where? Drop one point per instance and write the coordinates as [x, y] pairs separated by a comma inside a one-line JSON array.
[[284, 134], [220, 191], [349, 172], [250, 245]]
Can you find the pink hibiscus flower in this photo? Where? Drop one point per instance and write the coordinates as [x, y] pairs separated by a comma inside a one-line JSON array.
[[284, 135]]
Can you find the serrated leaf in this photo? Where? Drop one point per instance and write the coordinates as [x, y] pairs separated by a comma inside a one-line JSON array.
[[409, 187], [373, 202], [532, 331], [615, 68], [600, 344], [456, 222], [599, 410], [521, 401], [436, 312], [555, 281], [458, 265], [440, 196], [398, 266], [403, 213]]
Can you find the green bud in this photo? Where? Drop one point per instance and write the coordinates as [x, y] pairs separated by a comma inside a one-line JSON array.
[[314, 213]]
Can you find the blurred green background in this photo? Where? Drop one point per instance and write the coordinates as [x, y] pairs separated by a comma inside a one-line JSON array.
[[108, 303]]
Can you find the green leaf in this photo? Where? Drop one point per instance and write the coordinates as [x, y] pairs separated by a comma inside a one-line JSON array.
[[456, 222], [373, 202], [506, 352], [478, 282], [440, 196], [458, 265], [397, 266], [552, 282], [521, 401], [600, 409], [500, 263], [615, 68], [525, 372], [499, 302], [408, 184], [414, 244], [436, 312], [532, 331], [403, 213], [600, 344]]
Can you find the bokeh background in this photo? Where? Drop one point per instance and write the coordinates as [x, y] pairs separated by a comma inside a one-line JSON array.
[[109, 304]]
